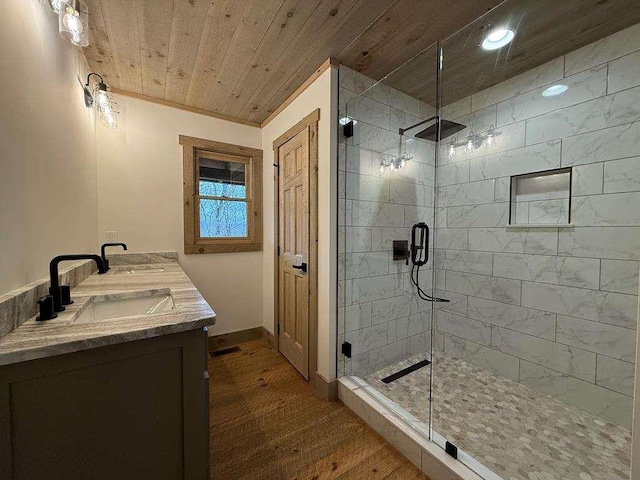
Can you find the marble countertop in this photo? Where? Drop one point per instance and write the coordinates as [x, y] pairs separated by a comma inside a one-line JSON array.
[[63, 334]]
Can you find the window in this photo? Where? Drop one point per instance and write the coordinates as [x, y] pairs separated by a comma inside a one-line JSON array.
[[222, 197]]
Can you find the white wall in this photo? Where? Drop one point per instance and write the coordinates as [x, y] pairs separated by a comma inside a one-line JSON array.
[[47, 147], [321, 94], [140, 196]]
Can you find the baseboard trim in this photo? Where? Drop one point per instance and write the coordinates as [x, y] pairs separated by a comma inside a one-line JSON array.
[[268, 336], [217, 342], [326, 389]]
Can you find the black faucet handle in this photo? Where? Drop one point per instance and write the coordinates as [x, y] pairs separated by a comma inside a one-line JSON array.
[[46, 308], [65, 294]]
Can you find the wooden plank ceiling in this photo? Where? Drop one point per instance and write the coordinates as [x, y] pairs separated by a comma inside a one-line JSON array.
[[244, 58]]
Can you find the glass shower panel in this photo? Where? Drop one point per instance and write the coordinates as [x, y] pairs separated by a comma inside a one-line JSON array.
[[387, 171], [534, 354]]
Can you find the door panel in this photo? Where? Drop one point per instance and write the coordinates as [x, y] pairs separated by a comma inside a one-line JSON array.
[[293, 218]]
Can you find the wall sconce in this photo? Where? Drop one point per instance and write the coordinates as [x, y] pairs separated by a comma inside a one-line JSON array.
[[102, 99], [73, 21], [56, 6], [473, 141]]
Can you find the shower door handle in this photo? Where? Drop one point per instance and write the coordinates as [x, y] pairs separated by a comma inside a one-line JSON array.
[[302, 267]]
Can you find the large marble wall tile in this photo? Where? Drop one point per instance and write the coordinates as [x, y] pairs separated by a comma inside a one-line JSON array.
[[587, 179], [614, 342], [604, 112], [602, 145], [404, 193], [406, 327], [414, 214], [396, 307], [366, 109], [570, 271], [583, 86], [358, 160], [473, 193], [357, 316], [383, 237], [367, 338], [541, 241], [549, 212], [619, 276], [624, 72], [455, 110], [543, 156], [621, 243], [485, 215], [599, 401], [357, 239], [367, 264], [453, 173], [507, 138], [615, 375], [463, 327], [376, 288], [364, 187], [401, 119], [529, 80], [354, 81], [604, 50], [457, 302], [525, 320], [478, 121], [622, 175], [367, 214], [464, 261], [452, 238], [562, 358], [376, 359], [483, 357], [402, 101], [606, 210], [374, 138], [417, 344], [492, 288], [605, 307]]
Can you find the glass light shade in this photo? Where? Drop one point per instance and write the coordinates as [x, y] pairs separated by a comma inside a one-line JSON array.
[[56, 6], [110, 120], [73, 23]]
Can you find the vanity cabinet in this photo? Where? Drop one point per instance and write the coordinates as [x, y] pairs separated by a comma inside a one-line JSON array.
[[136, 410]]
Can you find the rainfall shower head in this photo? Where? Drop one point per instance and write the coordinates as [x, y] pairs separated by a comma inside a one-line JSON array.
[[447, 128]]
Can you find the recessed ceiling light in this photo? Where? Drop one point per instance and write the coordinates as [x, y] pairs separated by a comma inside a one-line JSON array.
[[554, 90], [498, 38]]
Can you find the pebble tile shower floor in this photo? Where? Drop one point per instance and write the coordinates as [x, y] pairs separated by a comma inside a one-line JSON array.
[[512, 429]]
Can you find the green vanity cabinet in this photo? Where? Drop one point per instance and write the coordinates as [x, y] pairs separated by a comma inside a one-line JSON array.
[[136, 410]]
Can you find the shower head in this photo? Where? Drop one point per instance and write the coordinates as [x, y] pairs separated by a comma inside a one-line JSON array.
[[447, 128]]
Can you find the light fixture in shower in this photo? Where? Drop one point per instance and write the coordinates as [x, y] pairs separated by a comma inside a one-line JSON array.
[[554, 90], [473, 141], [56, 6], [391, 163], [344, 120], [73, 23], [100, 97], [498, 38]]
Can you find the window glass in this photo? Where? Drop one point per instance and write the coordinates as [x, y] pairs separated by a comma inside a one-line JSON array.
[[223, 218], [219, 178]]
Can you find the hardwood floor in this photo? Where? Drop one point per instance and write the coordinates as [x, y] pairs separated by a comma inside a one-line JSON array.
[[267, 424]]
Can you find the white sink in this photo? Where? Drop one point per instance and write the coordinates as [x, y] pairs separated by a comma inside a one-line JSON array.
[[126, 305], [139, 270]]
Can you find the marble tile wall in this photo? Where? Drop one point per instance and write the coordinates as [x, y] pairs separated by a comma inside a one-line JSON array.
[[552, 308], [380, 314]]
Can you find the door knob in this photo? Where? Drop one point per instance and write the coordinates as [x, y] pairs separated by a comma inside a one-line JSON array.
[[302, 267]]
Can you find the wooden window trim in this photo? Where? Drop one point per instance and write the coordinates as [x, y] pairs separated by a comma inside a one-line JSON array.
[[252, 157]]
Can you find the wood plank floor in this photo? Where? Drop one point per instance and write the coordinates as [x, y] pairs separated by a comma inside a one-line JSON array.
[[267, 424]]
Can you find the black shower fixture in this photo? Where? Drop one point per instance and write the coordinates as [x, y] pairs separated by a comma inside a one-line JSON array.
[[440, 130]]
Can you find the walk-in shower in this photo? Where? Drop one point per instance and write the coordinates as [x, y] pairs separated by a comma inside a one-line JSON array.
[[525, 190]]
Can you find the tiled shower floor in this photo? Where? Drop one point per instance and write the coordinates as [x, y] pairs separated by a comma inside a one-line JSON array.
[[510, 428]]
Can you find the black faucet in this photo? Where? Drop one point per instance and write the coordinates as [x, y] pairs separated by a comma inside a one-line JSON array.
[[104, 258], [55, 290]]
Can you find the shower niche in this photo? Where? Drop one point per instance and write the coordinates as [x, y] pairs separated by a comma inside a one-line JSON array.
[[541, 199]]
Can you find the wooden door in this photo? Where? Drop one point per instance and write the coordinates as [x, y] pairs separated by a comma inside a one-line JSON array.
[[293, 261]]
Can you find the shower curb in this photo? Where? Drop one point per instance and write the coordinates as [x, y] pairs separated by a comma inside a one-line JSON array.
[[403, 431]]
